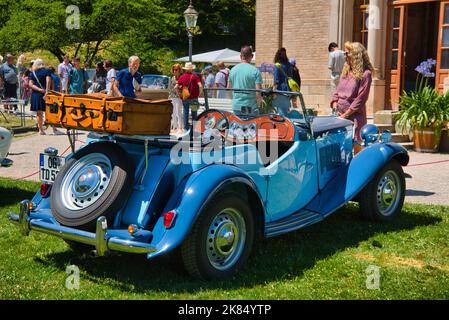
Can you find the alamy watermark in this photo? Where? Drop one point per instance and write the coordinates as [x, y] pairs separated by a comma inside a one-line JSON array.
[[72, 282], [259, 148], [372, 277], [373, 20], [72, 22]]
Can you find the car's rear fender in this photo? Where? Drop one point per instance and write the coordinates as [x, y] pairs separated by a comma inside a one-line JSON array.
[[194, 193], [353, 178]]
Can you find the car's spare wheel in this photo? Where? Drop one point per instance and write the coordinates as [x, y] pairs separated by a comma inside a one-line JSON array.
[[95, 182]]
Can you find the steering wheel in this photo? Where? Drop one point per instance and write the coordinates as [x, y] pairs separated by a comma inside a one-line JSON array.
[[223, 128], [221, 113], [276, 117]]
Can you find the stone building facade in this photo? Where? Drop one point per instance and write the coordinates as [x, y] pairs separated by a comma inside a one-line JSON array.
[[398, 34]]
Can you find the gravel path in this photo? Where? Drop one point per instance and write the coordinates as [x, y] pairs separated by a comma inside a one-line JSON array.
[[429, 182], [25, 152]]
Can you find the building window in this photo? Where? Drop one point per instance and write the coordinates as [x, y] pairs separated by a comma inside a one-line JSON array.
[[395, 38], [444, 64], [361, 16]]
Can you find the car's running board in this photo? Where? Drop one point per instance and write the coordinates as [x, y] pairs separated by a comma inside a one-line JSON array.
[[291, 223]]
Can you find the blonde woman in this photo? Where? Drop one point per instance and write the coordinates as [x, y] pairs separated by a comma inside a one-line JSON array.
[[21, 60], [40, 82], [349, 100], [177, 117]]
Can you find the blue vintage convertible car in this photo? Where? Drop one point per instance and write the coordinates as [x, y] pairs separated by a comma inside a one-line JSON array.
[[212, 192]]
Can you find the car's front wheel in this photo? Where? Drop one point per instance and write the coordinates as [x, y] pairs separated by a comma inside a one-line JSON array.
[[221, 239], [382, 199]]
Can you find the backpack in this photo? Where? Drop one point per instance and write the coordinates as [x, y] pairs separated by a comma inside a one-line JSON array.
[[292, 84], [226, 77]]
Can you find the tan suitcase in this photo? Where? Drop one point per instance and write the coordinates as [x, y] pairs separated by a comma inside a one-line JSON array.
[[102, 113]]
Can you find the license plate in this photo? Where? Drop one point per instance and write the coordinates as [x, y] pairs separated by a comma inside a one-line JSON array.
[[49, 167]]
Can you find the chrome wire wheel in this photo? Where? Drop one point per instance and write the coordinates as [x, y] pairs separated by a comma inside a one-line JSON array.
[[226, 239], [86, 181], [388, 193]]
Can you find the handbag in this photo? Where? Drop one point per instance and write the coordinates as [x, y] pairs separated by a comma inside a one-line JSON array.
[[185, 95], [292, 84], [39, 83]]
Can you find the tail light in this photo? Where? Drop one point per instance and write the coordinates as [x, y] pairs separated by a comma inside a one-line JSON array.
[[169, 218], [45, 190], [132, 229]]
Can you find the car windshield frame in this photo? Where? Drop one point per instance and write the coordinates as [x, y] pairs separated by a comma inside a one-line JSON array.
[[154, 79], [307, 117]]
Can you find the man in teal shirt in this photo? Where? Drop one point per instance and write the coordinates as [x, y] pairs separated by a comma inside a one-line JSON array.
[[245, 76], [77, 78]]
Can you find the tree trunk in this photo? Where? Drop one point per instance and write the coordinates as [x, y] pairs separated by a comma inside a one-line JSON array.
[[87, 53], [58, 53], [94, 53], [78, 49]]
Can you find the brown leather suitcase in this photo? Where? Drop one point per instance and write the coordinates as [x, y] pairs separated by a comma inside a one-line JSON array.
[[102, 113]]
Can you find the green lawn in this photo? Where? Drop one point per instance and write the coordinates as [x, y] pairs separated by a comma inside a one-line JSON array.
[[325, 261], [14, 121]]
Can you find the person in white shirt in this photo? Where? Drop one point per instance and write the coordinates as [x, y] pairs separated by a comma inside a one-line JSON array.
[[64, 69], [221, 80], [337, 61], [110, 77], [209, 81]]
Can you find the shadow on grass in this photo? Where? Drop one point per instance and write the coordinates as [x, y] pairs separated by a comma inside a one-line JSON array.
[[10, 195], [273, 259], [418, 193]]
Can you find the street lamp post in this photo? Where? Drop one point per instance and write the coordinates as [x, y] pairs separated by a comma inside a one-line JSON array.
[[191, 18]]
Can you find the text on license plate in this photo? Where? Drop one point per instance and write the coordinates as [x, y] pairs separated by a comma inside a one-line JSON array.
[[49, 167]]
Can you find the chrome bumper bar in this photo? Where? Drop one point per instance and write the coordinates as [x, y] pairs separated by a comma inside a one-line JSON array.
[[99, 239]]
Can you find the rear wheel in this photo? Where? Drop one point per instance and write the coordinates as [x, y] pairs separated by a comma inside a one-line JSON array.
[[221, 239], [95, 182], [382, 199]]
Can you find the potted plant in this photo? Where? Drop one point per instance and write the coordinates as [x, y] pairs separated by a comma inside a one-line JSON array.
[[443, 100], [424, 111]]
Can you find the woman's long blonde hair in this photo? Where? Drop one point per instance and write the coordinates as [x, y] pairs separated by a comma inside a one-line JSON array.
[[21, 60], [360, 60]]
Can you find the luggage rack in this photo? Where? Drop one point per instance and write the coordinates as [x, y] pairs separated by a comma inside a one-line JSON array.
[[138, 139]]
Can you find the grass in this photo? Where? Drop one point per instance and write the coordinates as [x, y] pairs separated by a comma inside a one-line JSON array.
[[325, 261], [14, 121], [48, 57]]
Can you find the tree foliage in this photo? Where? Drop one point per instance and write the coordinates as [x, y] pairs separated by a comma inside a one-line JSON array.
[[152, 29]]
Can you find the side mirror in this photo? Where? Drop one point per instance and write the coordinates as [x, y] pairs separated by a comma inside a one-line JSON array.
[[386, 136]]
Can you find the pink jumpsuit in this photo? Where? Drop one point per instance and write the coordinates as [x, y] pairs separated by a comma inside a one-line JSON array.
[[353, 94]]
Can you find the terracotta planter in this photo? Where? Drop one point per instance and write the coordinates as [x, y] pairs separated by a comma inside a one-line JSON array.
[[426, 140]]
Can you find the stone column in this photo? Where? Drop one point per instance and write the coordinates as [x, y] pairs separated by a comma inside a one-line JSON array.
[[376, 28], [446, 85]]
